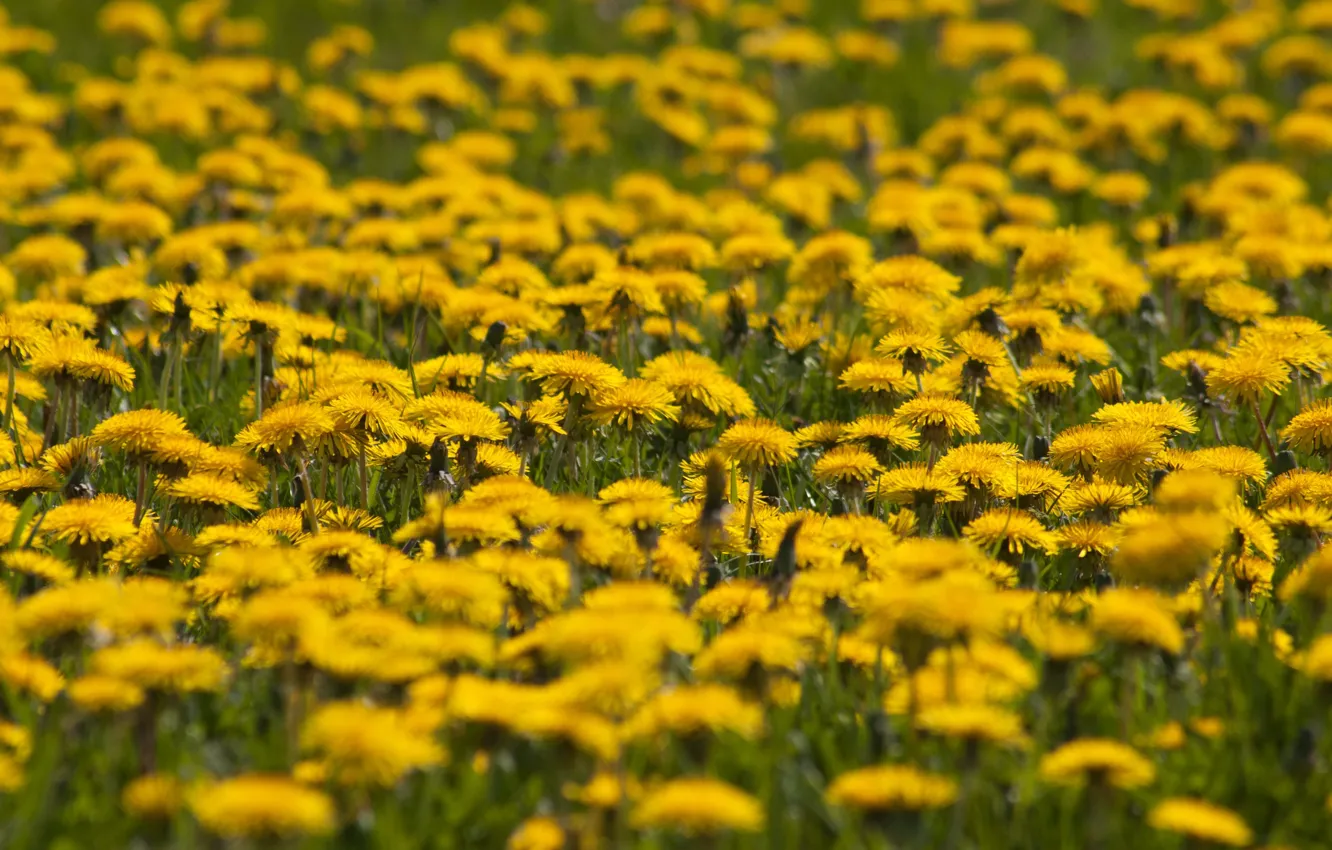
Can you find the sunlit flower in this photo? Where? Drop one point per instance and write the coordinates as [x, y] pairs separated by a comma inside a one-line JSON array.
[[1095, 760], [890, 786], [1201, 820], [698, 806], [259, 805]]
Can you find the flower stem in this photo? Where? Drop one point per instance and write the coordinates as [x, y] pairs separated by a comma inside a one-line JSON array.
[[9, 393], [749, 510], [141, 492], [365, 479], [311, 516], [638, 452], [1262, 429], [72, 416], [258, 377], [180, 376], [168, 365], [216, 377], [964, 795]]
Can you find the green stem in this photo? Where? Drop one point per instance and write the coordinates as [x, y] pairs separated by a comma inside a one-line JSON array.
[[258, 377], [1262, 429], [180, 376], [365, 479], [9, 393], [215, 377], [749, 510], [164, 386], [141, 492], [958, 826], [311, 516]]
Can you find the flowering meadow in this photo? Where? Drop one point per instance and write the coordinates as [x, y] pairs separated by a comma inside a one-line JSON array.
[[848, 424]]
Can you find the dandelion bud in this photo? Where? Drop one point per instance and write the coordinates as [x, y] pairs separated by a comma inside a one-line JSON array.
[[180, 313], [1284, 462], [1146, 382], [495, 336], [714, 476], [1109, 385], [1149, 312], [1197, 380], [737, 321], [992, 323], [438, 476], [1040, 447], [785, 562]]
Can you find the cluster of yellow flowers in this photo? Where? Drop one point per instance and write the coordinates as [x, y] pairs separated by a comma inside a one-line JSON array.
[[837, 423]]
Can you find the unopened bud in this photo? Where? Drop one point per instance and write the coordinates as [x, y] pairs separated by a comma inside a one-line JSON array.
[[1109, 385]]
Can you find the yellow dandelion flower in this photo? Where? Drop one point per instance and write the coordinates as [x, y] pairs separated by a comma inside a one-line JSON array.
[[1201, 820], [260, 805], [1097, 760], [697, 805], [892, 787], [1137, 618]]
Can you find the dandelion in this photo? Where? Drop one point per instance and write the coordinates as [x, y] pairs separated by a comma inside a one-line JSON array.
[[92, 525], [19, 484], [1097, 760], [294, 428], [105, 694], [848, 469], [364, 745], [633, 406], [1170, 417], [696, 709], [973, 723], [738, 653], [1246, 377], [153, 666], [918, 486], [916, 349], [153, 796], [539, 833], [980, 353], [137, 434], [260, 806], [939, 420], [1201, 820], [574, 374], [291, 430], [757, 444], [880, 433], [697, 806], [71, 362], [1311, 429], [17, 338], [1010, 533], [892, 787], [1126, 453], [208, 490], [884, 379], [363, 415], [1137, 618], [1170, 550], [1109, 386], [31, 675], [1047, 383]]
